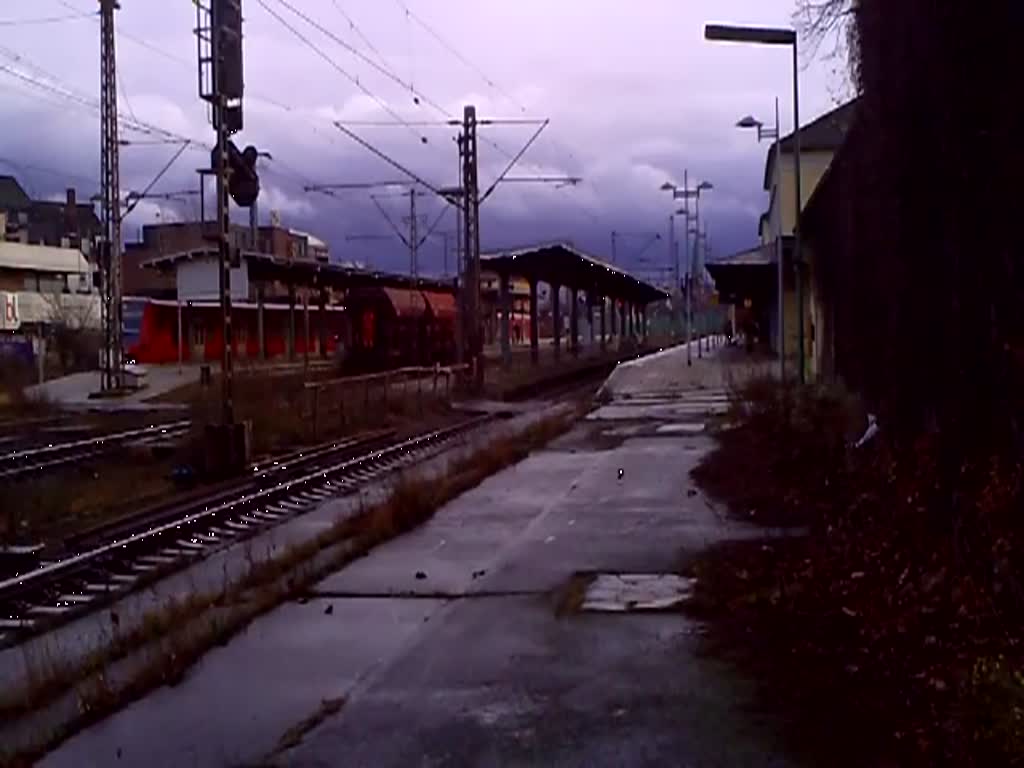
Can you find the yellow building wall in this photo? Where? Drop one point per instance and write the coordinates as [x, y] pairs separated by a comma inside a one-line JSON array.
[[812, 167], [812, 327]]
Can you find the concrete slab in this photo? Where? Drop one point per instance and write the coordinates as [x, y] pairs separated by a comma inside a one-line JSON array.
[[76, 388], [291, 660], [680, 429]]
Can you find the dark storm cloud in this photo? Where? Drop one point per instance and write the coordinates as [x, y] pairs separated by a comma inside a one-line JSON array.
[[634, 94]]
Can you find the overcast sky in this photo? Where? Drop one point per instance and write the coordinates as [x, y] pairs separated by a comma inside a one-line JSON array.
[[634, 95]]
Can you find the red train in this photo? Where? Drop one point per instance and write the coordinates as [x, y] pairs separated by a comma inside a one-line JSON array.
[[376, 329]]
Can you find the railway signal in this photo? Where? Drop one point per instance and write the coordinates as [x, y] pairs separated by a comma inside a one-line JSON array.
[[221, 85]]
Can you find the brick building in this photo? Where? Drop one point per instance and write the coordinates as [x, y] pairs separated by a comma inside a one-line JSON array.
[[56, 223], [159, 240]]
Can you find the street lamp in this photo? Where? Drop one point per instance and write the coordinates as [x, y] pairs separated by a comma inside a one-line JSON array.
[[775, 134], [778, 36], [685, 194]]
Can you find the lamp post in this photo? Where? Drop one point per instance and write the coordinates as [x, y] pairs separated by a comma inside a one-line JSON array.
[[778, 36], [776, 135], [699, 244], [685, 194]]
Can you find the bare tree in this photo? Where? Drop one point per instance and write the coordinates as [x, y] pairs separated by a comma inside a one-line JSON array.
[[831, 23], [73, 321]]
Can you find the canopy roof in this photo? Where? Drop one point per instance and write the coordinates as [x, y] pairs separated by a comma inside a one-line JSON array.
[[562, 264]]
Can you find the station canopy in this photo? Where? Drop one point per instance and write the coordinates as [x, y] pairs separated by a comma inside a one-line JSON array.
[[745, 274], [562, 264]]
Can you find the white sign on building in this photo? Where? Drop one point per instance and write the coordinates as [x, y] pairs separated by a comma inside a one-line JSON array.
[[10, 319], [199, 280]]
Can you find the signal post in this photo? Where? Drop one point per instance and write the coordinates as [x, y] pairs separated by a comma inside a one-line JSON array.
[[219, 31]]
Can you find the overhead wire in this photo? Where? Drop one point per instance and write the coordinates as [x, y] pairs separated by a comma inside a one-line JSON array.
[[124, 95], [148, 45], [355, 28], [430, 230], [47, 19], [418, 95], [447, 45], [159, 175], [63, 174], [48, 82], [388, 73], [341, 70], [457, 54]]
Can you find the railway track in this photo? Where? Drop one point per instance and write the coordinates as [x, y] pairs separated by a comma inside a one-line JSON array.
[[23, 463], [132, 552]]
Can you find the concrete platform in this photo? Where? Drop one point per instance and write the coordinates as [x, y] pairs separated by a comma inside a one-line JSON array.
[[448, 644]]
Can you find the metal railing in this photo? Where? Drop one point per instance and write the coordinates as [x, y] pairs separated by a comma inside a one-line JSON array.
[[337, 402]]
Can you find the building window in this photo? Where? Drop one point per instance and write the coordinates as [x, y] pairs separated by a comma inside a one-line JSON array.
[[47, 283]]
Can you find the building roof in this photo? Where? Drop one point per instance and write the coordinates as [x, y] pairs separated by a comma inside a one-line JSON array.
[[266, 266], [824, 134], [758, 255], [738, 274], [42, 258], [312, 240], [563, 264], [12, 195]]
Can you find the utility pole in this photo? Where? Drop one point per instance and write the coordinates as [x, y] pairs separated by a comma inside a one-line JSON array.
[[446, 240], [614, 256], [471, 244], [689, 270], [671, 256], [467, 199], [110, 252], [414, 237], [460, 274], [444, 236]]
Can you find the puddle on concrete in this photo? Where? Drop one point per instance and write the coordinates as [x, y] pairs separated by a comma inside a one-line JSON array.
[[630, 592], [631, 431]]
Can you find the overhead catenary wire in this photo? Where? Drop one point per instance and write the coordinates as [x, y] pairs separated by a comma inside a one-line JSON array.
[[156, 49], [251, 94], [386, 158], [458, 54], [418, 96], [388, 219], [513, 161], [391, 75], [472, 66], [47, 19], [46, 81], [63, 174], [159, 175], [124, 95], [341, 70], [355, 28], [430, 230]]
